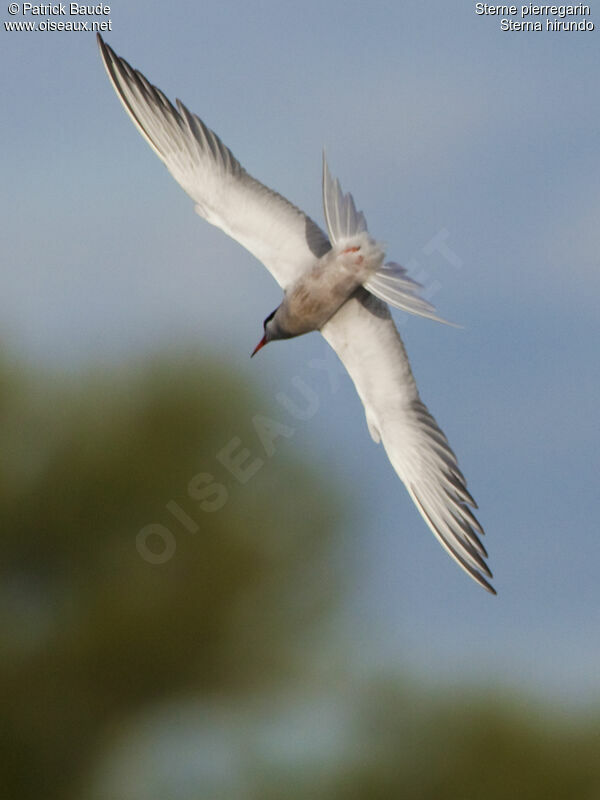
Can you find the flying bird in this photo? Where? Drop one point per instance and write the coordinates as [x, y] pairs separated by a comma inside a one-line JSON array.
[[338, 284]]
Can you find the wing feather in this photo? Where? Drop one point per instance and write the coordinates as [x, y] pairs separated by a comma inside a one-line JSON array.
[[365, 338], [280, 235]]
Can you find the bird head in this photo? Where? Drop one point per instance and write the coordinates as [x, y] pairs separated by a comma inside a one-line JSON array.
[[270, 333]]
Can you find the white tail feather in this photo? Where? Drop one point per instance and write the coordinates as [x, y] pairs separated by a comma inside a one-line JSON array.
[[342, 218], [392, 284]]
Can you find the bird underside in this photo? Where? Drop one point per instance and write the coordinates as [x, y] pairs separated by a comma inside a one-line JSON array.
[[338, 283]]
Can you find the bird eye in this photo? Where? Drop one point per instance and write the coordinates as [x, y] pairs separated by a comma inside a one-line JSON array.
[[269, 318]]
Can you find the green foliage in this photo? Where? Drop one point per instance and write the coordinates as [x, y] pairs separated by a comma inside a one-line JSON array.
[[94, 635], [92, 630], [472, 746]]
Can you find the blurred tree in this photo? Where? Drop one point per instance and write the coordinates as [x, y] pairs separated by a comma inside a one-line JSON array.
[[471, 745], [92, 631]]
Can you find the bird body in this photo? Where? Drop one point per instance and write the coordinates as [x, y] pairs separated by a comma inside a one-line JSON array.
[[315, 297], [338, 284]]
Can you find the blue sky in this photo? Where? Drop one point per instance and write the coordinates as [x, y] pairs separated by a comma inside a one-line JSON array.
[[437, 121]]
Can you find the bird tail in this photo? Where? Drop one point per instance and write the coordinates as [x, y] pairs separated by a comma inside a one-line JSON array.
[[392, 284], [342, 218]]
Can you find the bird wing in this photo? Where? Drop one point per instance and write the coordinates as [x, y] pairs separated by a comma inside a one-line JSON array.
[[365, 338], [265, 223]]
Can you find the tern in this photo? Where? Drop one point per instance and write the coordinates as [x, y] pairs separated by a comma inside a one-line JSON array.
[[338, 284]]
